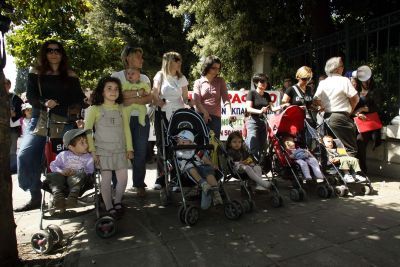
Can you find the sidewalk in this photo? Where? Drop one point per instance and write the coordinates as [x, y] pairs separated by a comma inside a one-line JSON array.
[[352, 231]]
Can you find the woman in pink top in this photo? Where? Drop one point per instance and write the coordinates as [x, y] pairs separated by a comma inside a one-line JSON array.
[[208, 92]]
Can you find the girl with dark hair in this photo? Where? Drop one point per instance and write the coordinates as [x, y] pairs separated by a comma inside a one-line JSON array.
[[208, 92], [258, 102], [112, 145], [243, 161], [54, 86], [369, 101]]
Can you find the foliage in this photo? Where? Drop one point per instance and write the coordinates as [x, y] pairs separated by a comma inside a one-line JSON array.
[[144, 24], [21, 80], [39, 20]]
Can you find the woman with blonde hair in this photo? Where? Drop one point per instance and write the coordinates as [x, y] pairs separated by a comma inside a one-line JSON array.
[[170, 93]]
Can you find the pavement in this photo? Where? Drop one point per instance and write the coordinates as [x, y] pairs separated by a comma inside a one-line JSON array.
[[348, 231]]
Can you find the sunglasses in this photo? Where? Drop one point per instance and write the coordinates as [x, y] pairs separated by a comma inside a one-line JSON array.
[[56, 51], [305, 79], [262, 81]]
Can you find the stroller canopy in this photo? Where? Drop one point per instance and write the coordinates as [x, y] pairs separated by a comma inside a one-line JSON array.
[[290, 121], [187, 119]]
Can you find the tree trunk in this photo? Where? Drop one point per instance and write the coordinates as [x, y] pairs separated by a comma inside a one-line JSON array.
[[8, 238]]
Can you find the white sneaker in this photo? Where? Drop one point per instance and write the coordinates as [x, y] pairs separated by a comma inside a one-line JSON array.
[[348, 178], [260, 188], [360, 178], [157, 187]]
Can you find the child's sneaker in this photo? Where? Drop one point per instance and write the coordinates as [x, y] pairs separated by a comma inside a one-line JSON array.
[[205, 200], [217, 199], [205, 187], [360, 178], [348, 178]]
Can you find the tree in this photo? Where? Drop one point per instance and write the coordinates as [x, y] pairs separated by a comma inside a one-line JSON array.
[[144, 24], [39, 20], [21, 80]]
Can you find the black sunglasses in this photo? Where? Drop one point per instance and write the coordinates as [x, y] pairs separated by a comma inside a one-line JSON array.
[[262, 81], [53, 50], [304, 79]]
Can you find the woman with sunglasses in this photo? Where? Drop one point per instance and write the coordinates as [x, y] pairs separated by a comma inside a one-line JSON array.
[[258, 103], [208, 92], [132, 57], [170, 93], [51, 85]]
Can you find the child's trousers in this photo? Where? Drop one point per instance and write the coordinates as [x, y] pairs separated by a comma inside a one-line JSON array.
[[59, 182], [313, 163]]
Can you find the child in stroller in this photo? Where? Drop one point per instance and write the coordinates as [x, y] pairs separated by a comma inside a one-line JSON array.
[[346, 162], [304, 158], [198, 166], [243, 161], [70, 169]]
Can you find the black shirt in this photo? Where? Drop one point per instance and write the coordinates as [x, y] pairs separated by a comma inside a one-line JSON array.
[[306, 98], [259, 101]]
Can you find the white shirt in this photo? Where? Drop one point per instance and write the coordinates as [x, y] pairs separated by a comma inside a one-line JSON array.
[[171, 91], [335, 93], [121, 76]]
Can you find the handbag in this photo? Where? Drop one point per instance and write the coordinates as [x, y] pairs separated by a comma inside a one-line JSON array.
[[371, 123], [56, 129]]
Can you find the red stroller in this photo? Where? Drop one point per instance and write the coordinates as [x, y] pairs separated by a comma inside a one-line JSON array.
[[290, 123]]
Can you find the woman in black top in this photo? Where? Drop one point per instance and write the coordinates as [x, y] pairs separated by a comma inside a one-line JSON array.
[[368, 103], [51, 85], [258, 102]]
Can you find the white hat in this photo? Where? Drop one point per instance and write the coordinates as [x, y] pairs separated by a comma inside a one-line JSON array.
[[186, 135], [26, 106]]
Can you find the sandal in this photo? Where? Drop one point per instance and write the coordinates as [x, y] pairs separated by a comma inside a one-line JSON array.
[[113, 213], [119, 208]]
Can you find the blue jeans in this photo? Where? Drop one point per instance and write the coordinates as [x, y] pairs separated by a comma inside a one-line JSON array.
[[140, 137], [29, 160], [256, 136], [215, 125]]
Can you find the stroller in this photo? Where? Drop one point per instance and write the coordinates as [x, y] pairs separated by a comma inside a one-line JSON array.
[[44, 240], [186, 119], [290, 123], [342, 188], [226, 164]]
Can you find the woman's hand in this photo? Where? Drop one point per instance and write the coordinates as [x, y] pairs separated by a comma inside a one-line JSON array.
[[129, 155], [206, 116], [160, 102], [80, 124], [264, 110], [51, 103]]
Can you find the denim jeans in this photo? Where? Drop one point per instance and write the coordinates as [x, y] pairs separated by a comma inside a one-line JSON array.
[[140, 137], [256, 136], [30, 158], [215, 125]]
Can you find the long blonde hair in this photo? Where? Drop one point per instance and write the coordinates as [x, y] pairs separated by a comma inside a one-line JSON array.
[[167, 60]]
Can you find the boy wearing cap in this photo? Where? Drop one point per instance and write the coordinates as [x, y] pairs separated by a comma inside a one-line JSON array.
[[198, 166], [70, 168]]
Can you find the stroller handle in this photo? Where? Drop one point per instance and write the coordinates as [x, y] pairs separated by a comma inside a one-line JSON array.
[[184, 147]]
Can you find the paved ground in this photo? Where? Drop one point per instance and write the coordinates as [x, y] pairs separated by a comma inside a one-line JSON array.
[[352, 231]]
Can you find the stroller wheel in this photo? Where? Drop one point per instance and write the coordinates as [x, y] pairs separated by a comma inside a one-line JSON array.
[[303, 194], [294, 194], [56, 232], [276, 201], [239, 206], [181, 214], [42, 242], [366, 190], [105, 227], [232, 212], [323, 191], [191, 215]]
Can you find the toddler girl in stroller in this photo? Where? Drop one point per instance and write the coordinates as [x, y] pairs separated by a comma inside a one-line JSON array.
[[198, 166], [243, 161], [304, 158]]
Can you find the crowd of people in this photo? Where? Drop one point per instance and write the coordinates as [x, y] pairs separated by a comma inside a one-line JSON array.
[[116, 126]]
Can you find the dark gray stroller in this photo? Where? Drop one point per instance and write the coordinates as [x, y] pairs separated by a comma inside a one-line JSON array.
[[186, 119]]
